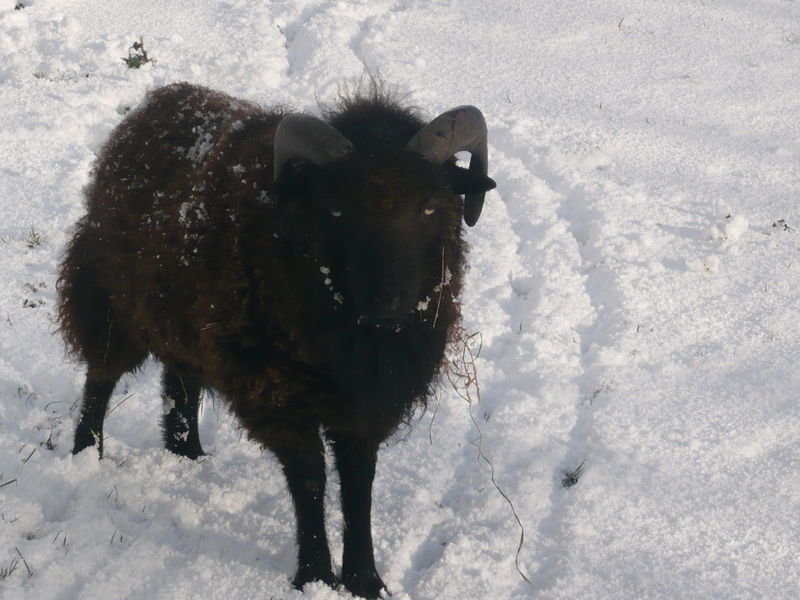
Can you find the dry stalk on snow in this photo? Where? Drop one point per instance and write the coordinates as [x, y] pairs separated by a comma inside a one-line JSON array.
[[462, 373]]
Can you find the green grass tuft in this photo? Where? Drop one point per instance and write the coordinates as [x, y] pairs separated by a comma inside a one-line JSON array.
[[137, 55]]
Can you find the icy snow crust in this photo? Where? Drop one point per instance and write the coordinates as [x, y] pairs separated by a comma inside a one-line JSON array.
[[634, 278]]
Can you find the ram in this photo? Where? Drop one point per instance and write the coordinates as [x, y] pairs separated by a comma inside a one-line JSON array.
[[306, 269]]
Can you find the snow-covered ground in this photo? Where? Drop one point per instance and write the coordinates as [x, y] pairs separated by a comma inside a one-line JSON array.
[[634, 281]]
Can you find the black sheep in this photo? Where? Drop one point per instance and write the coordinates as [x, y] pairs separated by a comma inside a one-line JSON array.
[[306, 269]]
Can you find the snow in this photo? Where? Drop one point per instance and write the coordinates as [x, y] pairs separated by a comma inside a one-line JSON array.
[[633, 278]]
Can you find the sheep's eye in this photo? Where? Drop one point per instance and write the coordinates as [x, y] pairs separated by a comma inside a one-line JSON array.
[[336, 212], [429, 211]]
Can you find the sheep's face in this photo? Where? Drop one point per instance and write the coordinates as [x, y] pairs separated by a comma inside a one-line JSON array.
[[378, 227]]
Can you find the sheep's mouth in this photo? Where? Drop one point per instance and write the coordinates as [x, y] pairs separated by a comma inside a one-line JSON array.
[[386, 322], [390, 313]]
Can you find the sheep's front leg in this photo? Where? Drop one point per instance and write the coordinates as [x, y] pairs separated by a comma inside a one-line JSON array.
[[181, 397], [89, 432], [355, 461], [303, 462]]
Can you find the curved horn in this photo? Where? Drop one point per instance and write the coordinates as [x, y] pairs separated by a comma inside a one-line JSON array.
[[459, 129], [309, 138]]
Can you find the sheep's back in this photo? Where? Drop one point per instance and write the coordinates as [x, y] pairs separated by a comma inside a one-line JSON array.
[[171, 191]]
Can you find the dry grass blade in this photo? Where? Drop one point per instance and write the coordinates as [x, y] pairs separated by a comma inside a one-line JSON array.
[[24, 562], [118, 404], [442, 283], [27, 458], [570, 478], [433, 417], [462, 373], [6, 572]]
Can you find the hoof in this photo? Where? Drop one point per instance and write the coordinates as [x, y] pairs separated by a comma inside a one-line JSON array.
[[86, 438], [188, 448], [192, 452], [311, 573], [365, 585]]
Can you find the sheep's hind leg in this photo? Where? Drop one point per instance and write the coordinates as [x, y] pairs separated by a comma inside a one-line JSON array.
[[355, 461], [181, 397], [302, 456], [89, 432]]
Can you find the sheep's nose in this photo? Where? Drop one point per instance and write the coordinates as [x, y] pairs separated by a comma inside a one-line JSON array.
[[390, 312], [387, 309]]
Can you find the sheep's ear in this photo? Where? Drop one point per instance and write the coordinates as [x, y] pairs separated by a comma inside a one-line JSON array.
[[469, 182], [464, 181]]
